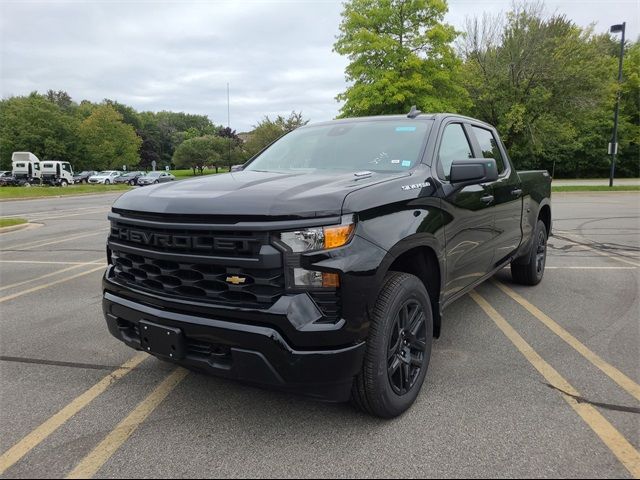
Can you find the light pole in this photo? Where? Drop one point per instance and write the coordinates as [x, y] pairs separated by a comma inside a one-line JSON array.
[[613, 146]]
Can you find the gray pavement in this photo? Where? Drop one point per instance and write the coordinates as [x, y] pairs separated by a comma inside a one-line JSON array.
[[484, 411]]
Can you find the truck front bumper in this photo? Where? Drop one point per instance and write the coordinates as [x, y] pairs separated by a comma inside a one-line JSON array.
[[249, 353]]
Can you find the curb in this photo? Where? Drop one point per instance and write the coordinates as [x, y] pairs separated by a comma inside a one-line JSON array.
[[16, 199], [13, 228]]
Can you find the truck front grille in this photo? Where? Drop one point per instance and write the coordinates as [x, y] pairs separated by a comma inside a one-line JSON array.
[[169, 259]]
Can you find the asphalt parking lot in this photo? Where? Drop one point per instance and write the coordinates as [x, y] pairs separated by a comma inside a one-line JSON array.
[[525, 382]]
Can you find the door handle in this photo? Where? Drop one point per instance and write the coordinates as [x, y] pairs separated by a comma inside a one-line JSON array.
[[487, 199], [517, 192]]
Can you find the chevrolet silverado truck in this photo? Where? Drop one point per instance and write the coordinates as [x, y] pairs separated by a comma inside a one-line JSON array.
[[324, 266]]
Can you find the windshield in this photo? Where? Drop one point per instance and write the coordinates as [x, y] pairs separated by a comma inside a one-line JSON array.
[[383, 146], [154, 174], [105, 174]]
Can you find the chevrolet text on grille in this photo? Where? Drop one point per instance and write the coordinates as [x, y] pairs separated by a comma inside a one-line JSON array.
[[198, 242]]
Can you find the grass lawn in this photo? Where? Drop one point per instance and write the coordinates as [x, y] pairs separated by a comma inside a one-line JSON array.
[[596, 188], [29, 192], [10, 222], [189, 173]]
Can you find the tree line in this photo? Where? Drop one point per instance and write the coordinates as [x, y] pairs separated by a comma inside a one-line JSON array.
[[111, 135], [548, 85]]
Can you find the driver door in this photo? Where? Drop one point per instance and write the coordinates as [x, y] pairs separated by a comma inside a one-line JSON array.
[[470, 228]]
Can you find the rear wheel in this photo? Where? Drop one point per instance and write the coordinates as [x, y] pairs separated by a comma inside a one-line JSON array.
[[529, 269], [398, 349], [107, 182]]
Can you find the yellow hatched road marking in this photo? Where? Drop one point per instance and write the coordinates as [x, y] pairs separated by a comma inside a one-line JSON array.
[[47, 285], [610, 436], [41, 433], [90, 464], [612, 372]]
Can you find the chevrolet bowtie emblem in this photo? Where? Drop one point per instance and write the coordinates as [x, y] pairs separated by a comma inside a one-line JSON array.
[[236, 280]]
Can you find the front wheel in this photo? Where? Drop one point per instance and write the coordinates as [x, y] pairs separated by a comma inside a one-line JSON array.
[[64, 183], [398, 349], [107, 182], [529, 270]]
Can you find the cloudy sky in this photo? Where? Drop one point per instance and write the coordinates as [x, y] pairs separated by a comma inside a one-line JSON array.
[[179, 55]]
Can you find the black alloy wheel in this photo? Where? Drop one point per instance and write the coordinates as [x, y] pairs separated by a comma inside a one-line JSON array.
[[407, 345]]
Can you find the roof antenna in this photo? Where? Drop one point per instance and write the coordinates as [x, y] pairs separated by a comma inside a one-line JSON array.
[[414, 112]]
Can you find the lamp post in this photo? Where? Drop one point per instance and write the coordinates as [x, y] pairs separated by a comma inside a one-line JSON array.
[[613, 146]]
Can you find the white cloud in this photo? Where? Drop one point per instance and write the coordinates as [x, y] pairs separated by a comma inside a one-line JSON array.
[[277, 55]]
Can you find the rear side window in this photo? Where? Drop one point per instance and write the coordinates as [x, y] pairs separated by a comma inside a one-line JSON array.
[[489, 146], [454, 146]]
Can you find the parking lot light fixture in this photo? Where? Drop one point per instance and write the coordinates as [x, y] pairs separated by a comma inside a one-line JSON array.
[[613, 148]]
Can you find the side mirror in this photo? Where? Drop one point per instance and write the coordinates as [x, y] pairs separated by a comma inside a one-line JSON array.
[[236, 168], [473, 170]]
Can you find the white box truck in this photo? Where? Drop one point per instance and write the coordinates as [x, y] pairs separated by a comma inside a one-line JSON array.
[[57, 173], [25, 168]]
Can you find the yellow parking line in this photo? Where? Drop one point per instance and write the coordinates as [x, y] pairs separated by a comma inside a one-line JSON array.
[[90, 464], [26, 246], [33, 439], [57, 272], [610, 436], [612, 372], [47, 285]]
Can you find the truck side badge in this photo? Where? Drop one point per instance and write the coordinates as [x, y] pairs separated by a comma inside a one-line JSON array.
[[415, 186]]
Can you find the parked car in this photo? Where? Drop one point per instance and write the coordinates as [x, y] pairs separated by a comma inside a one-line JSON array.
[[6, 178], [129, 177], [324, 266], [83, 177], [107, 177], [155, 177]]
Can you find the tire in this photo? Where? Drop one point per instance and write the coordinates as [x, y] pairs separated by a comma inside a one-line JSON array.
[[156, 182], [383, 388], [529, 269], [85, 181], [64, 183], [107, 182], [132, 182], [26, 184]]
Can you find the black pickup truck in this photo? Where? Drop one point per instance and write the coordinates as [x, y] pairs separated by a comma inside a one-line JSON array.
[[324, 266]]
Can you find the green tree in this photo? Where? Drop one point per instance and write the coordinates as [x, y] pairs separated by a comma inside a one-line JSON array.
[[107, 140], [628, 163], [35, 124], [400, 54], [198, 152], [268, 131], [545, 83]]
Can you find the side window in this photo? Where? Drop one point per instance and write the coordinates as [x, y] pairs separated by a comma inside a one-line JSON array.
[[489, 147], [453, 146]]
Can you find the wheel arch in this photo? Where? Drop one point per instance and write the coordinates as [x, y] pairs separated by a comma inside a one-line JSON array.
[[424, 262]]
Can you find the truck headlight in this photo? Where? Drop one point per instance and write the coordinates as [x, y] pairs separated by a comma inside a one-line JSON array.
[[319, 238]]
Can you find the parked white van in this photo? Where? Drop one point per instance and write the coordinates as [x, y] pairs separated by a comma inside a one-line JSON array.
[[25, 168], [57, 173]]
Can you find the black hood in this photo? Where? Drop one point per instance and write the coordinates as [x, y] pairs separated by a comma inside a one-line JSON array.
[[253, 193]]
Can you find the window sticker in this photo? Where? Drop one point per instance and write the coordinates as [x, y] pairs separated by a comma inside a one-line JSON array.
[[406, 163], [405, 129], [395, 161]]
